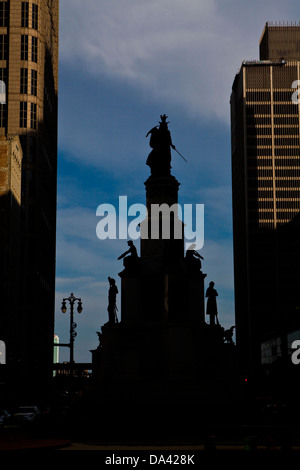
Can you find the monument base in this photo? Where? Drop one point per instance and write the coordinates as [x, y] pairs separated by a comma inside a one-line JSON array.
[[169, 363], [163, 382]]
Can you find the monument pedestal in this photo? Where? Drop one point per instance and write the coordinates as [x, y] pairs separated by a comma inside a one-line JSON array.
[[172, 363]]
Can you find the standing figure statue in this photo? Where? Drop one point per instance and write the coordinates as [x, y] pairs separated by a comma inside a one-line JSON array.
[[159, 159], [211, 308], [130, 260], [112, 305]]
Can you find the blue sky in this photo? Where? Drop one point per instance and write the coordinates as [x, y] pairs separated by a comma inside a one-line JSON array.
[[123, 63]]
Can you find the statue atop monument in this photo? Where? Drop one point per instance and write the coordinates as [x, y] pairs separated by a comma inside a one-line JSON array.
[[130, 257], [212, 309], [193, 258], [159, 159], [112, 304]]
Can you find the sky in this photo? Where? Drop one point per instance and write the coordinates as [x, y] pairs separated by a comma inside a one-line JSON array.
[[123, 63]]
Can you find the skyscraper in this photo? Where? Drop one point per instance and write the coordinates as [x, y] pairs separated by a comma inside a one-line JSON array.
[[29, 69], [265, 130]]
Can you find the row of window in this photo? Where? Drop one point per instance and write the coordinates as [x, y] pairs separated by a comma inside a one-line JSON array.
[[292, 172], [283, 190], [278, 151], [267, 141], [266, 120], [25, 86], [4, 6], [278, 130], [24, 47], [279, 162], [24, 83], [265, 95], [266, 215], [287, 108], [25, 15], [3, 46], [289, 183], [269, 207], [24, 115], [3, 14], [267, 172], [290, 195]]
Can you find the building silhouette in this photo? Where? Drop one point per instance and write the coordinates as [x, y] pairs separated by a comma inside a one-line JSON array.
[[28, 120], [266, 196]]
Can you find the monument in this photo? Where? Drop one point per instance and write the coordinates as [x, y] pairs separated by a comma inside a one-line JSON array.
[[162, 353]]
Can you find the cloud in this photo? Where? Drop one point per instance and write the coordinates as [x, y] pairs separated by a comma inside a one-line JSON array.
[[122, 60], [185, 52], [169, 48]]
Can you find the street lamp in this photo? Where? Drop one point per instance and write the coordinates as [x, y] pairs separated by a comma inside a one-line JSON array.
[[72, 299]]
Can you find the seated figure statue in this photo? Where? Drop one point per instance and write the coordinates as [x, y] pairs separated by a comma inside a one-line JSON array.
[[193, 259], [130, 256]]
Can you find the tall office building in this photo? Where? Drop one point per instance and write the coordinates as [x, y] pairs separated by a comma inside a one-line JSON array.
[[265, 128], [29, 69], [10, 229]]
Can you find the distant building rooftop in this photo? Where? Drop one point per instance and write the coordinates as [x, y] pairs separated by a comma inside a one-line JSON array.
[[280, 40]]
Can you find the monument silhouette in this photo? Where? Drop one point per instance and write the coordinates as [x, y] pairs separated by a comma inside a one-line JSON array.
[[162, 354]]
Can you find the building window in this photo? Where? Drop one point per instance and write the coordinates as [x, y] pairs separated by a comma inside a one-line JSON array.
[[3, 46], [24, 81], [24, 47], [23, 114], [33, 116], [34, 55], [35, 16], [3, 14], [34, 82], [25, 15]]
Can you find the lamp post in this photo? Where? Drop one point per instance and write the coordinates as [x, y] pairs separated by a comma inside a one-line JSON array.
[[72, 300]]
